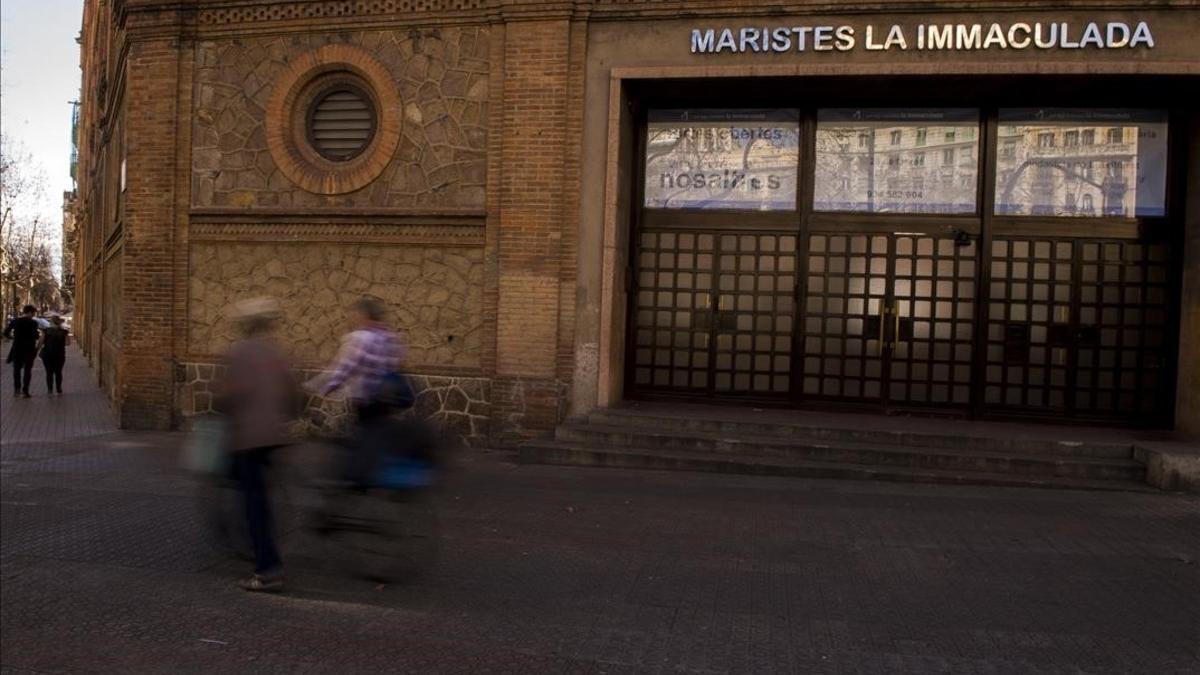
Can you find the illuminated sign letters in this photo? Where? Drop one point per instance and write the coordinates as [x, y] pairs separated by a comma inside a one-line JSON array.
[[924, 37]]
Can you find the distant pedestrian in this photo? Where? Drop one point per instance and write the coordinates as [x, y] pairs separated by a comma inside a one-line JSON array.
[[54, 353], [24, 331], [260, 397]]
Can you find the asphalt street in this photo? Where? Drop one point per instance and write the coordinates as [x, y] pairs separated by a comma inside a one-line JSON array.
[[104, 568]]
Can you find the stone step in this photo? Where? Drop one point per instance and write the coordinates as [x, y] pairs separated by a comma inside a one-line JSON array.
[[806, 449], [558, 452], [736, 423]]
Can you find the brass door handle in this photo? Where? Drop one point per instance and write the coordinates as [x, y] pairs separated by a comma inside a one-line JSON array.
[[889, 341], [883, 312]]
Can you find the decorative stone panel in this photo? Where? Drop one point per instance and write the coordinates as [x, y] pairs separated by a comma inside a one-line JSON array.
[[434, 295], [459, 406], [439, 74]]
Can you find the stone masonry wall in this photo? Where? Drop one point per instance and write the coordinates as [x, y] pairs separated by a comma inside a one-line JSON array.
[[435, 295], [459, 406], [442, 78]]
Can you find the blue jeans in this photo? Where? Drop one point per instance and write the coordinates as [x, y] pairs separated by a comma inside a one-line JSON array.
[[250, 467]]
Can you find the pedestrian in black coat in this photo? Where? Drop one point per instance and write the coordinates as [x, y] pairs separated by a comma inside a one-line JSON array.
[[24, 331]]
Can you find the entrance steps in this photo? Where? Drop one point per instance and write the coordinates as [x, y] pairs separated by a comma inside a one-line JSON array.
[[819, 445]]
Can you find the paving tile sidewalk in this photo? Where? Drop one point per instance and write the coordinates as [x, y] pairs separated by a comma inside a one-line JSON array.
[[81, 411], [565, 570]]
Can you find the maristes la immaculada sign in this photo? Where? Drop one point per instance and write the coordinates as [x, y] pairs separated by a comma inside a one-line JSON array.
[[924, 37]]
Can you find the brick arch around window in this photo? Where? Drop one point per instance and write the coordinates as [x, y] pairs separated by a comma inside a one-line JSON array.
[[307, 77]]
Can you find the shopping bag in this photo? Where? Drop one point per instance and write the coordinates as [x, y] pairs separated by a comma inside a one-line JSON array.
[[206, 450]]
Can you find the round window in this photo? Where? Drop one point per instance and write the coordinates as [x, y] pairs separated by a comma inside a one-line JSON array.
[[333, 120], [341, 122]]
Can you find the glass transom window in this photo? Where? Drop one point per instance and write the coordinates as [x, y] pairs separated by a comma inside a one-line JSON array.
[[722, 159], [1076, 162], [897, 160]]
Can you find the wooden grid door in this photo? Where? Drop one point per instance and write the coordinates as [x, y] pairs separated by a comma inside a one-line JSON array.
[[846, 296], [1121, 367], [753, 315], [933, 321], [889, 319], [714, 312], [1030, 299], [1078, 328], [674, 283]]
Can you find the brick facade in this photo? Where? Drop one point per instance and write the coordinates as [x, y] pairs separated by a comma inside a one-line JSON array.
[[490, 211], [450, 218]]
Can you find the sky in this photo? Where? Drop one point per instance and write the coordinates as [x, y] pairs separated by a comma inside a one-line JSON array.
[[39, 67]]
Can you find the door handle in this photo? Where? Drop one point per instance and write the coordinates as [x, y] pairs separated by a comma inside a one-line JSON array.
[[886, 340], [882, 329], [727, 321], [889, 340]]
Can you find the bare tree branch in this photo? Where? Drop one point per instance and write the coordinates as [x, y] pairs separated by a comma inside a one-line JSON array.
[[26, 245]]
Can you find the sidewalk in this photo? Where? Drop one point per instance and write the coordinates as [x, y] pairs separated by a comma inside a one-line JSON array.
[[568, 570], [81, 411]]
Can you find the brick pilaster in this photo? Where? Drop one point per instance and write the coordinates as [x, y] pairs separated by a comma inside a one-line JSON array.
[[145, 399], [532, 219]]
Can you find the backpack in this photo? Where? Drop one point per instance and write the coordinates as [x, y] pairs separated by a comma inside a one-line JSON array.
[[396, 391]]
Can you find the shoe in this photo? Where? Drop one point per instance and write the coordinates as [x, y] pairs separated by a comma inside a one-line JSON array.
[[25, 394], [261, 584]]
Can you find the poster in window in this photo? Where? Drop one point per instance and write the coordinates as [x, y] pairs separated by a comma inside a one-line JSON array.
[[897, 160], [1081, 162], [722, 159]]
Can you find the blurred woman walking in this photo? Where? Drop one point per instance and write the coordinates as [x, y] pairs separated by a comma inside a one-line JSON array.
[[259, 397]]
